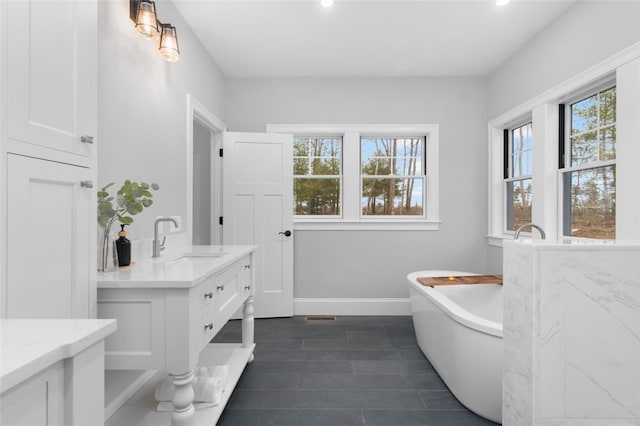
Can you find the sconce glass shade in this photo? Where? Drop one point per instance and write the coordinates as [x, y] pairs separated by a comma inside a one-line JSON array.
[[169, 43], [146, 20]]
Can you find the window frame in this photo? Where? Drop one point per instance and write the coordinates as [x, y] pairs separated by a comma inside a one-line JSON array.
[[565, 166], [422, 177], [621, 68], [508, 171], [311, 176], [545, 111], [351, 217]]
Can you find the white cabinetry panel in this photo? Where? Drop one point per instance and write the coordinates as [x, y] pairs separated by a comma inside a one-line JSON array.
[[51, 74], [37, 402], [48, 236], [48, 106]]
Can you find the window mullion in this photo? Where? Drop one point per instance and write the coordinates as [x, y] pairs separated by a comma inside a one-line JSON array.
[[351, 186], [431, 175], [589, 166]]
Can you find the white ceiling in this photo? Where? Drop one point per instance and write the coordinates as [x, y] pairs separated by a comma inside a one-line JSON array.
[[365, 38]]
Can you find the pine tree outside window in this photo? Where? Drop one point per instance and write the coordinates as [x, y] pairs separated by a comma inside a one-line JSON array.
[[589, 172], [518, 175], [392, 175], [317, 176]]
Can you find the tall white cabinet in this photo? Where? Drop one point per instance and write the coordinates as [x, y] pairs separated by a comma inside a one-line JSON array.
[[48, 126]]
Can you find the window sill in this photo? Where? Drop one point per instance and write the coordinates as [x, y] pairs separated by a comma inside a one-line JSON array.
[[396, 225], [496, 240]]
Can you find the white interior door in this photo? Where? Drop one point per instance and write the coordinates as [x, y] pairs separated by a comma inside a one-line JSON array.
[[257, 209]]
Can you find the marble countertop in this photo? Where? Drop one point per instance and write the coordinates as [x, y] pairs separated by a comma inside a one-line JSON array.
[[28, 346], [174, 270]]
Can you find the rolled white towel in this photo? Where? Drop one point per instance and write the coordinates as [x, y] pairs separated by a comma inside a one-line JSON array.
[[208, 389], [221, 371], [167, 406], [205, 388]]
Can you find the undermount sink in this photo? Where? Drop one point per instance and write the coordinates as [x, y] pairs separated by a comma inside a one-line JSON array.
[[205, 254], [193, 257]]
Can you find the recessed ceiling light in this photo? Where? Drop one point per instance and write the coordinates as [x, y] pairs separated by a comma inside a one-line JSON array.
[[502, 2], [326, 3]]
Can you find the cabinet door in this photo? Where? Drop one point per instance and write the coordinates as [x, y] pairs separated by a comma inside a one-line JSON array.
[[36, 402], [49, 263], [51, 73]]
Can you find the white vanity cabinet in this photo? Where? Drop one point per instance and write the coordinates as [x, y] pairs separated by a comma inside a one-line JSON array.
[[168, 311]]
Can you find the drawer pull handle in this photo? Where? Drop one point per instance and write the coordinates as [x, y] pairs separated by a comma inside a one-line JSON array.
[[247, 266], [208, 326], [220, 287], [86, 184], [247, 287], [86, 139], [208, 295]]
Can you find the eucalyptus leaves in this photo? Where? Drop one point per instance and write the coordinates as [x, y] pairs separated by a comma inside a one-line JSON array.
[[130, 199]]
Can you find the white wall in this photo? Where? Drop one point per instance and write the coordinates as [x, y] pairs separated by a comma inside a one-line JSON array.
[[142, 118], [588, 33], [201, 185], [374, 264]]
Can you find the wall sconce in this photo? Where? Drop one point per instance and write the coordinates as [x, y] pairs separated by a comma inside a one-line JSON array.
[[143, 15], [169, 43]]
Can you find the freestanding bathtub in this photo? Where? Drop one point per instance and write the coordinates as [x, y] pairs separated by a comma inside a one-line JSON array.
[[459, 329]]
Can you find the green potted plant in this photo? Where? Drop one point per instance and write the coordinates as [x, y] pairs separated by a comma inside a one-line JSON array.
[[132, 198]]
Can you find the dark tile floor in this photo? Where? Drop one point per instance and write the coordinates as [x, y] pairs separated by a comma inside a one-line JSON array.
[[356, 371]]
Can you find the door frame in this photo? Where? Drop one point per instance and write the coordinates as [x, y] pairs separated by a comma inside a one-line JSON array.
[[196, 111]]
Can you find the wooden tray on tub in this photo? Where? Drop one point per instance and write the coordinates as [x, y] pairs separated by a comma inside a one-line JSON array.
[[461, 279]]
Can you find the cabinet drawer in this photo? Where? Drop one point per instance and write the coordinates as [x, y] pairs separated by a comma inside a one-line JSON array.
[[204, 294], [227, 292], [206, 325]]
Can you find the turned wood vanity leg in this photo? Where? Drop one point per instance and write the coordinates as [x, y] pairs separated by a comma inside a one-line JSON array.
[[247, 325], [184, 413]]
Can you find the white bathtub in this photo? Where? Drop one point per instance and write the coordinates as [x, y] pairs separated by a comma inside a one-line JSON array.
[[459, 329]]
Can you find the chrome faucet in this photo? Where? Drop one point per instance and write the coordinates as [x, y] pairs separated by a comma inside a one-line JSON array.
[[533, 225], [157, 245]]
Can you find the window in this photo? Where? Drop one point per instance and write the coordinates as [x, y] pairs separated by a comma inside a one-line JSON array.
[[317, 176], [392, 176], [589, 169], [518, 175], [364, 177]]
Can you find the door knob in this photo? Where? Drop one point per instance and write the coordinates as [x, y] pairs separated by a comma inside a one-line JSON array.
[[286, 233]]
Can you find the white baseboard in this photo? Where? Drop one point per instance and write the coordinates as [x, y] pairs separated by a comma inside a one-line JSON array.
[[398, 306]]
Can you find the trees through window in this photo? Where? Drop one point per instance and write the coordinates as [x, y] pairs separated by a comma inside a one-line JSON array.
[[392, 176], [589, 174], [518, 175], [317, 176], [364, 176]]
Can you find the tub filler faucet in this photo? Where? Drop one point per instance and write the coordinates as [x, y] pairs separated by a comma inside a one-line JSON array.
[[533, 225], [157, 245]]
